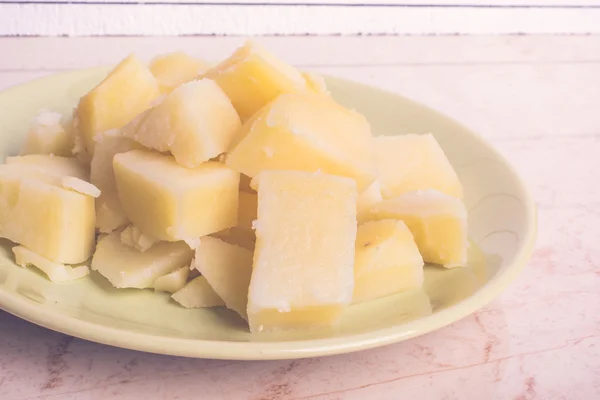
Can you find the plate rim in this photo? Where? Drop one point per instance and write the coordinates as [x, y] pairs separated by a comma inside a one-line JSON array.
[[249, 350]]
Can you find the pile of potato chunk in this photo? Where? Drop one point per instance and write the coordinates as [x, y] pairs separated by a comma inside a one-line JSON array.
[[241, 184]]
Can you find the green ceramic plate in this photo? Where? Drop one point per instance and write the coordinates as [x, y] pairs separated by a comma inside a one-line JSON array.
[[502, 227]]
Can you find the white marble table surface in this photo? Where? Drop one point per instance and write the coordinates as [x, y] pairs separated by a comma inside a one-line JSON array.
[[536, 98]]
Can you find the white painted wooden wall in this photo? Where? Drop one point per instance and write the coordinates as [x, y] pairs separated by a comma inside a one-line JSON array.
[[297, 17]]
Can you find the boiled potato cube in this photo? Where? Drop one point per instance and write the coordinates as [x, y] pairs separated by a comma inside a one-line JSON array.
[[227, 268], [127, 91], [197, 293], [406, 163], [303, 262], [437, 221], [253, 77], [174, 69], [56, 272], [170, 202], [132, 236], [307, 133], [126, 267], [109, 213], [37, 213], [195, 122], [60, 166], [48, 136], [387, 260], [173, 281]]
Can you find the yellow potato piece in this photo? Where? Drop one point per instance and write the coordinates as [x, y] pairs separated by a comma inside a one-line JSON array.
[[132, 236], [195, 122], [56, 272], [127, 91], [303, 262], [37, 213], [227, 268], [60, 166], [174, 69], [109, 213], [406, 163], [306, 132], [170, 202], [387, 260], [437, 221], [372, 195], [48, 135], [197, 293], [126, 267], [253, 77], [172, 282]]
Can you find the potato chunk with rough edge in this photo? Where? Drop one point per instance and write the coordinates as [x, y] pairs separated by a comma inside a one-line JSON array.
[[56, 272], [227, 268], [171, 202], [306, 132], [253, 77], [172, 281], [48, 135], [128, 90], [174, 69], [304, 257], [387, 260], [195, 122], [197, 293], [40, 215], [406, 163], [126, 267], [437, 221]]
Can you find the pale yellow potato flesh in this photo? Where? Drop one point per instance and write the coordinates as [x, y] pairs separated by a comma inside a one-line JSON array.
[[184, 203], [437, 221], [306, 132], [387, 260], [303, 272]]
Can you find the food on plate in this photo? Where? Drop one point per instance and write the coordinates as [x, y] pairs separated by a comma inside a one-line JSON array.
[[173, 281], [242, 184], [437, 221], [127, 91], [424, 166], [56, 272], [174, 69], [184, 203], [109, 212], [387, 260], [39, 214], [197, 293], [252, 77], [304, 257], [227, 269], [49, 134], [306, 132], [195, 123], [133, 236], [126, 267]]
